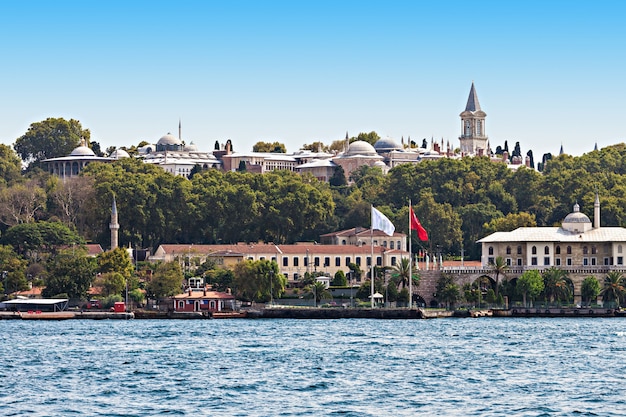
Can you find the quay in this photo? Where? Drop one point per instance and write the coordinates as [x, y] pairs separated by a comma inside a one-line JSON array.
[[65, 315]]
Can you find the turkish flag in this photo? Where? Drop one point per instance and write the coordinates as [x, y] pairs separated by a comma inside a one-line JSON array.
[[416, 225]]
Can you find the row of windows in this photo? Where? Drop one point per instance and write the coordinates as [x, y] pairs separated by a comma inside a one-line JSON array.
[[592, 261], [392, 244], [557, 250], [295, 261]]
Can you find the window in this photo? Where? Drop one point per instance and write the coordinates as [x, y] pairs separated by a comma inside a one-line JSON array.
[[519, 250], [585, 250], [557, 250], [379, 260], [391, 245], [285, 261], [519, 261], [593, 261], [393, 261], [348, 261], [569, 250], [398, 245], [337, 261], [557, 261], [295, 261], [546, 250], [295, 276], [375, 243], [385, 244], [327, 261], [306, 261], [508, 261], [594, 250], [546, 260], [316, 261], [369, 261], [490, 260], [620, 260], [490, 250], [343, 242], [358, 260], [569, 261], [585, 261], [533, 260], [619, 248], [508, 250], [534, 250], [607, 261]]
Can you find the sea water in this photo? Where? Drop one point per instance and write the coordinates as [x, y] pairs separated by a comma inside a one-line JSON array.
[[349, 367]]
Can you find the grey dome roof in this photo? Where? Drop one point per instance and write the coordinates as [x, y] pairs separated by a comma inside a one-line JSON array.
[[169, 139], [361, 147], [576, 216], [82, 150], [387, 144], [191, 147], [119, 153]]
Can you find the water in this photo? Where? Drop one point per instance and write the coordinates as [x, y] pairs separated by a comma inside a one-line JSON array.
[[442, 367]]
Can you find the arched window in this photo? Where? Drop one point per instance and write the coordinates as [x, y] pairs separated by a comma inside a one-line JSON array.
[[546, 250], [619, 248], [557, 250], [490, 250], [508, 250], [594, 250], [534, 250], [585, 250], [519, 250], [569, 250]]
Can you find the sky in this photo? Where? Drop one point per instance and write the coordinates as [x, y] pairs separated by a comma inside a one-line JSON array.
[[547, 73]]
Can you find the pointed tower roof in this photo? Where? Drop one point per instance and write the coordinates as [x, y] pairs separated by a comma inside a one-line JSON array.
[[561, 152], [472, 100]]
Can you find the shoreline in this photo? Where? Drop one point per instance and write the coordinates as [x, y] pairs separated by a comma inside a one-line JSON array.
[[319, 313]]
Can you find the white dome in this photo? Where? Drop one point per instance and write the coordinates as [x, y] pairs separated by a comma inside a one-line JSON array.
[[191, 147], [119, 153], [361, 147], [169, 139], [82, 151]]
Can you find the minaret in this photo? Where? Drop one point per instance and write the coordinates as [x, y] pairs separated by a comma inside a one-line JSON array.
[[180, 130], [596, 213], [473, 137], [114, 225]]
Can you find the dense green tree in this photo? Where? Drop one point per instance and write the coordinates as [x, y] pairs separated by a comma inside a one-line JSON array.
[[448, 291], [338, 178], [315, 147], [70, 272], [255, 280], [589, 290], [371, 137], [117, 260], [530, 285], [10, 166], [50, 138], [13, 270], [319, 292], [110, 283], [39, 239], [509, 223], [557, 285], [273, 147], [221, 279], [339, 280], [242, 166], [167, 280]]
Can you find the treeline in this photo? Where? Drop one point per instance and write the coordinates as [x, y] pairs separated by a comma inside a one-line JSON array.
[[457, 201]]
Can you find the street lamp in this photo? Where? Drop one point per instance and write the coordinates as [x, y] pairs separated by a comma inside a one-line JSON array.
[[271, 288]]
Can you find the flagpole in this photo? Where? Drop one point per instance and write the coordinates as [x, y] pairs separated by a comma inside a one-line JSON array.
[[410, 262], [372, 262]]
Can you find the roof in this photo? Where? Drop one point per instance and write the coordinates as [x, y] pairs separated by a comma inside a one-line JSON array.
[[269, 248], [37, 301], [472, 101], [557, 234], [202, 295]]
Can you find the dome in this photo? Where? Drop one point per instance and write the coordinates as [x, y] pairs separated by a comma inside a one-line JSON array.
[[119, 153], [576, 216], [386, 145], [82, 150], [169, 139], [380, 164], [191, 148], [361, 147]]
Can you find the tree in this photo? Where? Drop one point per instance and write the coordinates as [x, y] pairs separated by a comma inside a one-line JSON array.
[[448, 291], [371, 137], [69, 198], [50, 138], [319, 291], [242, 166], [256, 280], [315, 147], [498, 268], [10, 166], [110, 283], [589, 290], [339, 177], [22, 203], [557, 285], [614, 288], [117, 260], [13, 267], [70, 272], [39, 239], [339, 280], [530, 284], [166, 281], [273, 147]]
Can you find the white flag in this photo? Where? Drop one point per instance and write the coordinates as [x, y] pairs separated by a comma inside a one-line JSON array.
[[381, 222]]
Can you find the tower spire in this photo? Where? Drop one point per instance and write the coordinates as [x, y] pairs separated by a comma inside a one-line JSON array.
[[114, 226], [472, 100]]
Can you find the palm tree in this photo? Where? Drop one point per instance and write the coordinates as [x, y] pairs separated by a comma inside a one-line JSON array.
[[401, 271], [319, 291], [556, 284], [498, 267], [613, 289]]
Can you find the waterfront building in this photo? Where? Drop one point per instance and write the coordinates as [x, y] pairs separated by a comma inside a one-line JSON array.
[[203, 300]]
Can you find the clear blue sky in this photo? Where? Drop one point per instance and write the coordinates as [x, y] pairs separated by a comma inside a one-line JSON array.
[[546, 72]]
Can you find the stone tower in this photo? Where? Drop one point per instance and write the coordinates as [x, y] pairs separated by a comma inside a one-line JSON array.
[[474, 140], [114, 226]]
